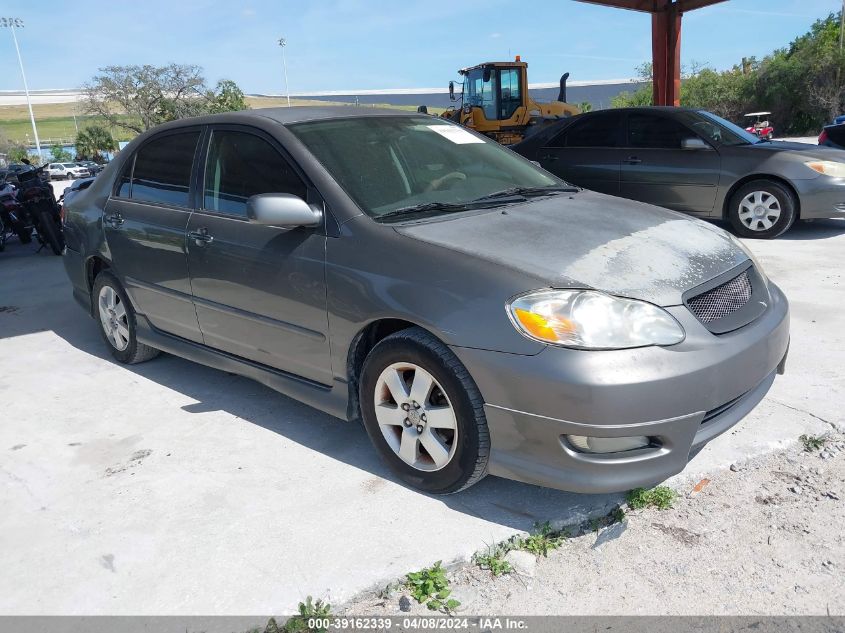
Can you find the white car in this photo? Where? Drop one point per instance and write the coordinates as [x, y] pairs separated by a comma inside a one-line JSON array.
[[71, 171]]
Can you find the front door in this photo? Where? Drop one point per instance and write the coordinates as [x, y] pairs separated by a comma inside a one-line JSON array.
[[658, 170], [145, 222], [586, 153], [260, 291]]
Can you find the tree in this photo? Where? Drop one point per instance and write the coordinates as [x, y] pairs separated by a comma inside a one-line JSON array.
[[137, 98], [585, 106], [227, 97], [59, 154], [92, 141]]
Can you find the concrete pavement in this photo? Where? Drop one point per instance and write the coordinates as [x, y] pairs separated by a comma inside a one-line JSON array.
[[171, 488]]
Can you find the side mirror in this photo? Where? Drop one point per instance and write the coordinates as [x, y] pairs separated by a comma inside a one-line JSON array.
[[422, 109], [283, 210], [694, 143], [451, 91]]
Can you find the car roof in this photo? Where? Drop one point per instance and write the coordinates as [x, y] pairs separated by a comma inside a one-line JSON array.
[[288, 116]]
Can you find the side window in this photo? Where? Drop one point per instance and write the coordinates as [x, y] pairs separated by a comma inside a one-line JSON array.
[[241, 165], [163, 169], [123, 182], [596, 131], [655, 131]]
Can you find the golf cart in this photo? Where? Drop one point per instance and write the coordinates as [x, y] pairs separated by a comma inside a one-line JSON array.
[[760, 126]]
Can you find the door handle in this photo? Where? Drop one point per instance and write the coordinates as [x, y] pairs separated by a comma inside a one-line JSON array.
[[633, 160], [549, 157], [201, 237], [114, 219]]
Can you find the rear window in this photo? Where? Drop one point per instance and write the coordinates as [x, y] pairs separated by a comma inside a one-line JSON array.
[[593, 131], [162, 171]]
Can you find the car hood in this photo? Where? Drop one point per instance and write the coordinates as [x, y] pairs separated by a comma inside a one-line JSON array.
[[804, 149], [622, 247]]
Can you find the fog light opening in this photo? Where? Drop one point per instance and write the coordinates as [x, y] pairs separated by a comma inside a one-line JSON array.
[[589, 444]]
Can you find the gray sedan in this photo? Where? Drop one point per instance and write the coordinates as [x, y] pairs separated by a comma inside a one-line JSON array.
[[695, 162], [478, 314]]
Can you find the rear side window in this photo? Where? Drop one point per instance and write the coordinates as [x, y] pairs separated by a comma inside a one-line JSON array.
[[163, 169], [241, 165], [596, 131], [656, 132]]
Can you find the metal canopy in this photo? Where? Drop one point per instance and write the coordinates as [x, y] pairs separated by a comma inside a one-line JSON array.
[[665, 40]]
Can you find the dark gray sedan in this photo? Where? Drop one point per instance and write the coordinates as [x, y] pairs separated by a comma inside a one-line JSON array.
[[695, 162], [477, 313]]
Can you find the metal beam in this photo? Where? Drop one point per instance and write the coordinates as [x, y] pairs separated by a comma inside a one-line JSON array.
[[654, 6]]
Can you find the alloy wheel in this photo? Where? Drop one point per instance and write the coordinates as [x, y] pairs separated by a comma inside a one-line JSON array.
[[113, 318], [416, 417], [759, 211]]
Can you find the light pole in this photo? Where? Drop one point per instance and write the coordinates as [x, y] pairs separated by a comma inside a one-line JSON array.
[[13, 23], [283, 43]]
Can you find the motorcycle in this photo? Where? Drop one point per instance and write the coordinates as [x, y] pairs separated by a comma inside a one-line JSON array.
[[13, 219], [32, 205]]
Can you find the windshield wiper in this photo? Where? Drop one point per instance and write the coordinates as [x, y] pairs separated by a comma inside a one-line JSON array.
[[448, 207], [528, 192]]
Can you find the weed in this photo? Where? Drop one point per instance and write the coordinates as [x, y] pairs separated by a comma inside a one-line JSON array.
[[430, 586], [660, 497], [812, 442], [299, 623], [543, 540], [494, 560]]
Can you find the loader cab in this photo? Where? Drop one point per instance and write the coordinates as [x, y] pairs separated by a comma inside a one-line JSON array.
[[498, 89]]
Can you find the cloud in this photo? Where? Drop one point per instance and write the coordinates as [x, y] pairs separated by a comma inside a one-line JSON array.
[[248, 12], [495, 36]]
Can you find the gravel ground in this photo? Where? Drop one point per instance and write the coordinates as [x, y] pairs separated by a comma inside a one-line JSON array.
[[761, 538]]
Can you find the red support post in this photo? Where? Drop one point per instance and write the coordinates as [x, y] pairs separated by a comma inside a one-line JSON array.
[[666, 54]]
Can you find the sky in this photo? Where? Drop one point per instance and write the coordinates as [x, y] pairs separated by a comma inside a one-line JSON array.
[[372, 44]]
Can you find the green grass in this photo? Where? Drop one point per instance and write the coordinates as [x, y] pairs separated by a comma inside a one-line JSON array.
[[812, 442], [430, 586], [55, 120], [493, 560], [660, 497]]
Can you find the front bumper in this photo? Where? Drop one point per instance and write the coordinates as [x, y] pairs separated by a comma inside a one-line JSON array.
[[681, 396], [822, 197]]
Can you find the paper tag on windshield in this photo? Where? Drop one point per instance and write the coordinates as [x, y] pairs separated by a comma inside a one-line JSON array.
[[455, 134]]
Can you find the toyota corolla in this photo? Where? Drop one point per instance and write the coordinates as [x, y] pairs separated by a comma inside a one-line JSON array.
[[477, 313]]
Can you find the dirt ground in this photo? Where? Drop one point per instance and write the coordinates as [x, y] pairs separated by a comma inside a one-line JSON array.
[[763, 538]]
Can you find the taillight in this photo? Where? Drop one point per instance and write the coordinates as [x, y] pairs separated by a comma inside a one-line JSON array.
[[823, 137]]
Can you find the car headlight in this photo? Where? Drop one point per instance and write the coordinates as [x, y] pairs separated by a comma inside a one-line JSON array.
[[828, 168], [588, 319]]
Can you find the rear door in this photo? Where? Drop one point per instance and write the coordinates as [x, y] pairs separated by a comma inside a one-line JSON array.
[[587, 152], [656, 169], [145, 222], [260, 291]]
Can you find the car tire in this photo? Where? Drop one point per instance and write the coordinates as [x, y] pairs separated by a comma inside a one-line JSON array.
[[446, 434], [113, 309], [761, 209]]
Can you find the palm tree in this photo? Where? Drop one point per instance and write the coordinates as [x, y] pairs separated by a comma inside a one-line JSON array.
[[93, 140]]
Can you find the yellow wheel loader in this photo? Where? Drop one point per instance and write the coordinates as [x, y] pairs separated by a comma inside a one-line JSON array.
[[495, 102]]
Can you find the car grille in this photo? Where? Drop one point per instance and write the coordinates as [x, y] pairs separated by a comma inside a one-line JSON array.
[[721, 300]]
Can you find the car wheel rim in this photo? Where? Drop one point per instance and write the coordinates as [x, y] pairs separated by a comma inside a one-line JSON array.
[[759, 211], [113, 318], [416, 417]]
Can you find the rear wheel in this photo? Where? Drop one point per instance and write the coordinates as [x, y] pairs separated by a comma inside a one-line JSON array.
[[51, 232], [424, 413], [117, 321], [761, 209]]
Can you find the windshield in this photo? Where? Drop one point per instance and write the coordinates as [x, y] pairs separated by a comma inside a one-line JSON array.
[[720, 130], [387, 163]]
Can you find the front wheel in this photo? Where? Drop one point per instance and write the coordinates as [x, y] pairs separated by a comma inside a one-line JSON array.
[[762, 209], [117, 321], [424, 413]]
